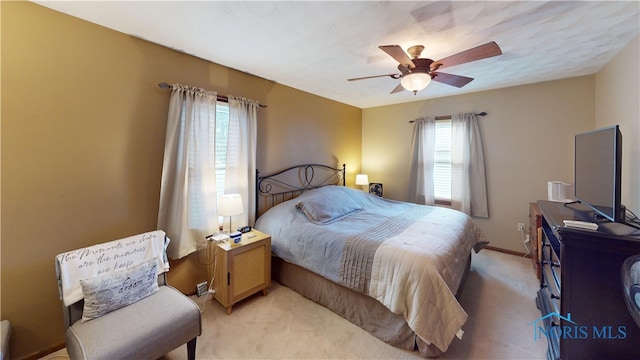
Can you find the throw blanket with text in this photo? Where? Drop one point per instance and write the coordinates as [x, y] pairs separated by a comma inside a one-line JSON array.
[[101, 259]]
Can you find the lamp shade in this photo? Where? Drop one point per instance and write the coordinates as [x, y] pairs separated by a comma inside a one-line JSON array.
[[415, 81], [362, 179], [230, 204]]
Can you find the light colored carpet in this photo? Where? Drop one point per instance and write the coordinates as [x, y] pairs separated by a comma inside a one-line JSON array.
[[498, 296]]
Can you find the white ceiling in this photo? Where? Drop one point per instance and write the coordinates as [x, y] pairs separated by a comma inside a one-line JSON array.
[[316, 46]]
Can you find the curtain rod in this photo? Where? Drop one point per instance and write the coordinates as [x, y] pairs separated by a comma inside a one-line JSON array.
[[447, 117], [223, 98]]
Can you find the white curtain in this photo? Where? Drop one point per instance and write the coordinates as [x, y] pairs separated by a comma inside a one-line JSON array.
[[188, 198], [240, 173], [420, 184], [469, 187]]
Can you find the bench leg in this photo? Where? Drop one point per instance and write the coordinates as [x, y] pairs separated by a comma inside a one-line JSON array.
[[191, 349]]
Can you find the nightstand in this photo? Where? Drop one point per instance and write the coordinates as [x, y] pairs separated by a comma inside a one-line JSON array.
[[242, 269], [535, 236]]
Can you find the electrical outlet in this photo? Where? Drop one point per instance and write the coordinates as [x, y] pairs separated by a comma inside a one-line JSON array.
[[521, 227]]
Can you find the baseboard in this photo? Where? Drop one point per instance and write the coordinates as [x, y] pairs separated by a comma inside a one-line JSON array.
[[506, 251], [45, 352]]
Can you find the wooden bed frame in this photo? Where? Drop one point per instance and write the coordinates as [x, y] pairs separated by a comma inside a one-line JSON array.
[[360, 309]]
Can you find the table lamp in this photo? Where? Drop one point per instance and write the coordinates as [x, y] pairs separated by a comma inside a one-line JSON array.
[[362, 180], [230, 205]]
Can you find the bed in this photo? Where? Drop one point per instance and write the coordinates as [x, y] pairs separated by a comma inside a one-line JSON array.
[[393, 268]]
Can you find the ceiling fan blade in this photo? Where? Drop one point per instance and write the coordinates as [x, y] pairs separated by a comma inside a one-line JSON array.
[[393, 76], [453, 80], [487, 50], [396, 52], [397, 89]]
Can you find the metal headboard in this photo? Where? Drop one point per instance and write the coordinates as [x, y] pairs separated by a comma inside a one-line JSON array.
[[287, 184]]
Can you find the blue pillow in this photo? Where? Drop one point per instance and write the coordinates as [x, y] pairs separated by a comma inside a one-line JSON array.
[[326, 205]]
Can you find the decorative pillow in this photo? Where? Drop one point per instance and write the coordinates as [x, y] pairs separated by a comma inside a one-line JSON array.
[[106, 293], [324, 206]]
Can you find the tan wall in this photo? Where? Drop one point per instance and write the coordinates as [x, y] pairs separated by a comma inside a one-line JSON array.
[[301, 128], [617, 102], [83, 127], [528, 140]]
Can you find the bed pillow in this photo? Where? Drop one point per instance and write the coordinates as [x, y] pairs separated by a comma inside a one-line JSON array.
[[324, 206], [106, 293]]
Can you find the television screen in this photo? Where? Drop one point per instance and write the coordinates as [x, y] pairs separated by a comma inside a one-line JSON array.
[[597, 171]]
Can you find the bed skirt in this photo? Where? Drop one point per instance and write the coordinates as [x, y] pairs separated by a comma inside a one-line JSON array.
[[360, 309]]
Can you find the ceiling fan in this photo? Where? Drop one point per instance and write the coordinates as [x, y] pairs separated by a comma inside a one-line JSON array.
[[416, 72]]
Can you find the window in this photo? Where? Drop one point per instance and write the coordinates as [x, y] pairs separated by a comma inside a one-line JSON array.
[[447, 164], [222, 135], [442, 163]]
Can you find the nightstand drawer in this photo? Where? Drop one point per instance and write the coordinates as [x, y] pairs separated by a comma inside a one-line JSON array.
[[535, 240]]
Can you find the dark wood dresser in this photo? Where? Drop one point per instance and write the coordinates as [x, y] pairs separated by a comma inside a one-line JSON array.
[[583, 313]]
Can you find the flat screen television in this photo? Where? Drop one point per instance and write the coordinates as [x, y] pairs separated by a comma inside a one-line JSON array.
[[598, 156]]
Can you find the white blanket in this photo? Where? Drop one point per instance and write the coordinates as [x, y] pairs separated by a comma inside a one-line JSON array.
[[101, 259], [413, 274]]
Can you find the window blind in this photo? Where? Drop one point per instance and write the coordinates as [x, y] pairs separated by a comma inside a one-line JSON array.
[[222, 136], [442, 161]]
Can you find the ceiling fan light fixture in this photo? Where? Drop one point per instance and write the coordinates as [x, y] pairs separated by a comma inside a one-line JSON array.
[[415, 81]]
